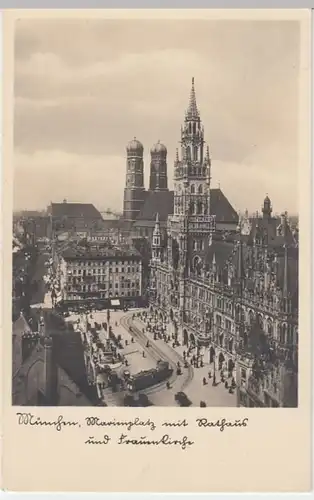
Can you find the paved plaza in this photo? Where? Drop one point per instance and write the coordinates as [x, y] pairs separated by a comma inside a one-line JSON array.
[[191, 383]]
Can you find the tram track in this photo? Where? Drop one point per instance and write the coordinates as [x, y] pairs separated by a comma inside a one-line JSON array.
[[158, 354]]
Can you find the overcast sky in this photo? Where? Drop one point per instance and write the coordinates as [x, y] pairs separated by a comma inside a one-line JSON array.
[[84, 89]]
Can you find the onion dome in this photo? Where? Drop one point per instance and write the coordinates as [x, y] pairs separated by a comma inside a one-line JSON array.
[[135, 146], [158, 148]]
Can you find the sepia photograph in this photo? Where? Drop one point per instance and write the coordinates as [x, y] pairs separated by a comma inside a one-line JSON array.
[[155, 213]]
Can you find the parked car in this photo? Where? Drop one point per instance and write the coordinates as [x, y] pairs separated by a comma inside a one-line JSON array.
[[129, 400], [182, 399], [143, 400]]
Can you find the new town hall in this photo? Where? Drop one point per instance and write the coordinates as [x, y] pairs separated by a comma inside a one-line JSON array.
[[227, 286]]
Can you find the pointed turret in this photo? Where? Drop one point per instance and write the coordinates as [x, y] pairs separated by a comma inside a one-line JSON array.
[[156, 246], [240, 266], [214, 264], [157, 224], [192, 112], [267, 210]]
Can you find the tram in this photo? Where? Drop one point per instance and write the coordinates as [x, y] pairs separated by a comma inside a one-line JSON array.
[[147, 378]]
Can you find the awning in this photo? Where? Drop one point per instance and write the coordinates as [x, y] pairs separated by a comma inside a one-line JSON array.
[[115, 302]]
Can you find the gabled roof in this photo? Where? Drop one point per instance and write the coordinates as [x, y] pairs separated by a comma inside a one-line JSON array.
[[268, 229], [157, 201], [75, 210], [222, 250], [292, 271], [20, 326], [163, 203], [221, 207]]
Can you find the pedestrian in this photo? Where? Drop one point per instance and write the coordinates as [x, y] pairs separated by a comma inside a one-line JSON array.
[[204, 381], [226, 384], [209, 374], [143, 354]]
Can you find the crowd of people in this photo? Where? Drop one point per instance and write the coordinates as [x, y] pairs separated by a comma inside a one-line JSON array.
[[191, 353]]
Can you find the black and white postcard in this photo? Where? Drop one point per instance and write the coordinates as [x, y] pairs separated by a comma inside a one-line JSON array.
[[157, 251]]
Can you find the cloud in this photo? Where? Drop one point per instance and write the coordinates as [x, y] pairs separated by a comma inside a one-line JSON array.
[[79, 178], [84, 89]]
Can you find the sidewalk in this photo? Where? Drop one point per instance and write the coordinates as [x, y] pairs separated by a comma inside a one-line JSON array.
[[133, 351], [195, 390]]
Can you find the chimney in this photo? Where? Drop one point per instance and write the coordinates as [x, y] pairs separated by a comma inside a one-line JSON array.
[[50, 374]]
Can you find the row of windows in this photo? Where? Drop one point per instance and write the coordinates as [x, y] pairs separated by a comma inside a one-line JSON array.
[[104, 295], [110, 270], [103, 263], [80, 281], [87, 288]]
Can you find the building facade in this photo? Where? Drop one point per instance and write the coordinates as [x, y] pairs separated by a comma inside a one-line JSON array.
[[234, 295], [100, 273]]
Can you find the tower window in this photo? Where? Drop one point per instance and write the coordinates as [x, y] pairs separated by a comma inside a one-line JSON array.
[[200, 189], [192, 189]]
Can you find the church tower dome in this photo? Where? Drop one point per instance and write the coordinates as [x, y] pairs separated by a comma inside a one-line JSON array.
[[159, 148], [135, 146], [158, 179]]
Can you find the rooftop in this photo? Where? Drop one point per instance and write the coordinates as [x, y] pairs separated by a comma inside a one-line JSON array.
[[86, 250], [74, 210]]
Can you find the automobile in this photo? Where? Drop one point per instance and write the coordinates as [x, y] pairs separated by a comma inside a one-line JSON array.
[[129, 400], [182, 399], [143, 400]]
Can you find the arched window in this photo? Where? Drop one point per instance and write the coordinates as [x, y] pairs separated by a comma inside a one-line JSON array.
[[192, 189], [199, 207], [190, 127], [251, 317], [194, 128], [200, 189], [269, 326]]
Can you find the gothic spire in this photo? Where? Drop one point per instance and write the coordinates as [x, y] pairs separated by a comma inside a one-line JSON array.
[[240, 266], [192, 111], [207, 154]]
